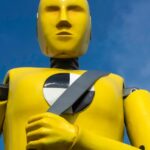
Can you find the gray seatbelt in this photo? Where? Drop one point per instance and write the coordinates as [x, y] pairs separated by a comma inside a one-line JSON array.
[[75, 91]]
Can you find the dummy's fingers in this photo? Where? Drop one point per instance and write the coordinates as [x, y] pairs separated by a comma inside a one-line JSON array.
[[40, 116], [34, 125], [46, 121], [34, 145], [35, 118], [36, 134]]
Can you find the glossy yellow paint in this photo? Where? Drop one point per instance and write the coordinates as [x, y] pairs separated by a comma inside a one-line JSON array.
[[64, 27], [103, 120], [137, 114], [88, 141]]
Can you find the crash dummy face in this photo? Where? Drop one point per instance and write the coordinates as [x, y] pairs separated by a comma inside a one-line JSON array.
[[64, 27]]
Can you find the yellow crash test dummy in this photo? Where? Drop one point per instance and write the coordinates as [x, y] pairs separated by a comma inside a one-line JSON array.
[[64, 28]]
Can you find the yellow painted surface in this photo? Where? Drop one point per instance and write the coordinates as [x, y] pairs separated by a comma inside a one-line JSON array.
[[104, 117], [64, 28], [137, 114], [58, 16]]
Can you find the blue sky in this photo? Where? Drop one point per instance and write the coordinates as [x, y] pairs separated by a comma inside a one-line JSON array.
[[120, 39]]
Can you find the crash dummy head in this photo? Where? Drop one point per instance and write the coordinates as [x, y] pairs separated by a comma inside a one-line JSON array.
[[64, 27]]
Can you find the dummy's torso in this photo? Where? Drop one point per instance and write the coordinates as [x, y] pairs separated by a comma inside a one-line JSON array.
[[104, 116]]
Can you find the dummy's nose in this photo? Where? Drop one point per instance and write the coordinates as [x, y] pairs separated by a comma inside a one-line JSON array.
[[64, 20], [63, 14]]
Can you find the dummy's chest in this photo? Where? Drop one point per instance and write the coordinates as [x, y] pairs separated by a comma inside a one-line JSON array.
[[100, 110], [36, 93]]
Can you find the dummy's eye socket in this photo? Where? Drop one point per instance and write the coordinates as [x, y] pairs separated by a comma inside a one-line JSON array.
[[52, 8], [75, 8]]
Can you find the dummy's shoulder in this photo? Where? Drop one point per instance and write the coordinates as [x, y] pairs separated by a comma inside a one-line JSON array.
[[25, 70], [106, 76], [114, 78], [15, 72]]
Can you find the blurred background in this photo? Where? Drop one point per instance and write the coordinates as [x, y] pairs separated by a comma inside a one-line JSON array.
[[120, 39]]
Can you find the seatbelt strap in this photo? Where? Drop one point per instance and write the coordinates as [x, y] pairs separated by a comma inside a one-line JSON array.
[[75, 91]]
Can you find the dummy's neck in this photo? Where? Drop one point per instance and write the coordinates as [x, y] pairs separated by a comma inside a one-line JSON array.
[[69, 63]]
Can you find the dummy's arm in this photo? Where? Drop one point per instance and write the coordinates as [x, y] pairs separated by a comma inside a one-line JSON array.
[[3, 103], [89, 141], [137, 117], [50, 131]]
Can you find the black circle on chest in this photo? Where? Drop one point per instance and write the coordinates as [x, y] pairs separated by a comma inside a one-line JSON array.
[[57, 84]]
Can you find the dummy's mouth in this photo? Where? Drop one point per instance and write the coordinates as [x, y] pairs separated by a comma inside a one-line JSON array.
[[64, 33]]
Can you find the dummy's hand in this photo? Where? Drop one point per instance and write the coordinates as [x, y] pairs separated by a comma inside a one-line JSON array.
[[50, 131]]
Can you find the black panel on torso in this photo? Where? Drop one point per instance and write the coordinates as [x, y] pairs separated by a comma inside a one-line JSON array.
[[56, 84]]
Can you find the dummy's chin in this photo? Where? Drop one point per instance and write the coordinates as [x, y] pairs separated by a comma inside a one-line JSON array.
[[64, 50], [65, 53]]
